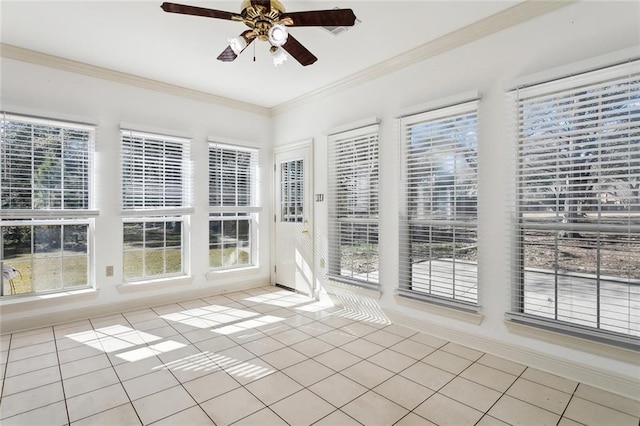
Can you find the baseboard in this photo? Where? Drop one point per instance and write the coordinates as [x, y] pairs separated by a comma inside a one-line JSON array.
[[613, 382], [93, 311]]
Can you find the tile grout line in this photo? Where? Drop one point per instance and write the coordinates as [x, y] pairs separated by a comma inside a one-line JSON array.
[[554, 389], [333, 347], [64, 392], [455, 376], [567, 406], [116, 373], [31, 389], [279, 370], [180, 383], [369, 389], [409, 411], [486, 413], [4, 373], [307, 388], [240, 385]]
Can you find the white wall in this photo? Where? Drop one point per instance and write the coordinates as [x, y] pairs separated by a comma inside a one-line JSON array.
[[52, 93], [578, 32]]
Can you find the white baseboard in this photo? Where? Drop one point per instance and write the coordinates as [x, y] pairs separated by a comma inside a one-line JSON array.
[[65, 316], [627, 386]]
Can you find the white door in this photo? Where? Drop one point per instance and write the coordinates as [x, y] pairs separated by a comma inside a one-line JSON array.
[[293, 218]]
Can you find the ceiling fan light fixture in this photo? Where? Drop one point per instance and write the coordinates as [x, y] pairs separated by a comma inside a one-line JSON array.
[[279, 57], [278, 35], [237, 44], [268, 21]]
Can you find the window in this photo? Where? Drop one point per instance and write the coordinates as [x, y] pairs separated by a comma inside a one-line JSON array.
[[233, 206], [578, 204], [46, 197], [156, 203], [353, 206], [292, 191], [438, 238]]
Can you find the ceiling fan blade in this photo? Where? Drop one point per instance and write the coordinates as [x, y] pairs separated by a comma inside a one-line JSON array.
[[228, 55], [322, 18], [199, 11], [298, 51], [266, 4]]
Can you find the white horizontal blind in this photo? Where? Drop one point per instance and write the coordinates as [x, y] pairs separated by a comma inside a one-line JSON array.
[[353, 206], [438, 235], [234, 203], [233, 177], [578, 204], [46, 197], [46, 167], [155, 173], [291, 191]]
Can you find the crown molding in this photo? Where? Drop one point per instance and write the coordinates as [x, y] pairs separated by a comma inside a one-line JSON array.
[[507, 18], [38, 58]]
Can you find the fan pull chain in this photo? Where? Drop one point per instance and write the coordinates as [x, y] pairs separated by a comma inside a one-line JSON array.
[[254, 52]]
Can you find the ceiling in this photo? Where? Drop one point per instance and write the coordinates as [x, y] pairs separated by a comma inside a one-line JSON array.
[[138, 38]]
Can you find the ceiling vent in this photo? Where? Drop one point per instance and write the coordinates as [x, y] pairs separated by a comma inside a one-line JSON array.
[[336, 31]]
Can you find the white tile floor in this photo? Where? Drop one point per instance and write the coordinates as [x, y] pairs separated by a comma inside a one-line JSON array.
[[271, 357]]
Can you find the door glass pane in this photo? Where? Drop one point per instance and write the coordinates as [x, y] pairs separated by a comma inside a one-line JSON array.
[[292, 191]]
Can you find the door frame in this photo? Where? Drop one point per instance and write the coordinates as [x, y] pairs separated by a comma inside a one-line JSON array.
[[281, 149]]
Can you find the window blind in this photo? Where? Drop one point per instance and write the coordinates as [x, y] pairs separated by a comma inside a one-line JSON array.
[[233, 177], [353, 206], [438, 235], [46, 201], [578, 203], [46, 168], [233, 205], [155, 174]]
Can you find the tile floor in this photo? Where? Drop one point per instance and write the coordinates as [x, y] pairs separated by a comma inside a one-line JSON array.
[[271, 357]]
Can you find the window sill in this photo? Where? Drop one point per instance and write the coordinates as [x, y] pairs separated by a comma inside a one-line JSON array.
[[23, 302], [440, 310], [220, 273], [155, 284]]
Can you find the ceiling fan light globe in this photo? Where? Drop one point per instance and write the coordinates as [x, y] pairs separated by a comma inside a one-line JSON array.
[[279, 57], [237, 44], [278, 35]]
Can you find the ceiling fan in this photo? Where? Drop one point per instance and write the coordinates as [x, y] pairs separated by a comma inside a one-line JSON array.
[[268, 21]]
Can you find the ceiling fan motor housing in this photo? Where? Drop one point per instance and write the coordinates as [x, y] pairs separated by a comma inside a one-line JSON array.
[[260, 17]]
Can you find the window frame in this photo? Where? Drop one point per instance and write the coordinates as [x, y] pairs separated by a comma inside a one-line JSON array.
[[224, 212], [143, 210], [464, 109], [368, 216], [56, 217], [525, 223]]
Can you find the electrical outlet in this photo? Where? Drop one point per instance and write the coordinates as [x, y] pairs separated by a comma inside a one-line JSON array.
[[109, 271]]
